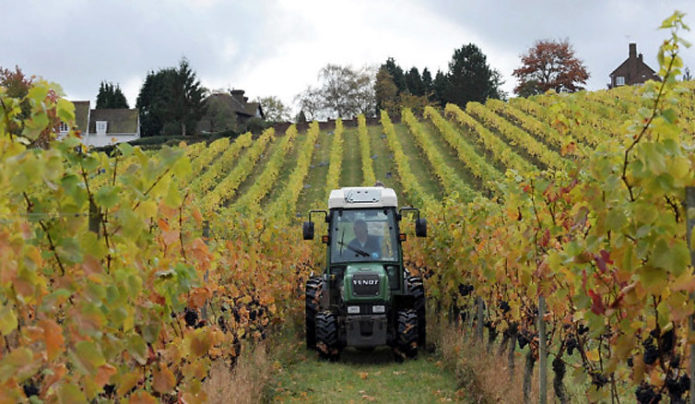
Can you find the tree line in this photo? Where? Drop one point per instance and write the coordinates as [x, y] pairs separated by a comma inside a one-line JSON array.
[[173, 101]]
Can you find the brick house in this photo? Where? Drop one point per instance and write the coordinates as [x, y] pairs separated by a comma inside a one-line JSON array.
[[632, 71]]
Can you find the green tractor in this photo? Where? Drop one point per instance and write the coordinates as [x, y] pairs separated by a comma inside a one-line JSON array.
[[365, 297]]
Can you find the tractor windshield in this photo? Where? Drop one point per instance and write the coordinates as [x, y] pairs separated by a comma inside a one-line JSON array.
[[363, 235]]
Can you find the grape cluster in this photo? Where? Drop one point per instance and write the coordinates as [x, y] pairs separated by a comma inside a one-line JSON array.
[[30, 389], [504, 306], [582, 329], [645, 394], [191, 318], [678, 386], [465, 290], [651, 353], [598, 379], [571, 345]]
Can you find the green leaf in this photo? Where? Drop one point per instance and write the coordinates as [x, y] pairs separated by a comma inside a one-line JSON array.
[[65, 111], [18, 364], [125, 149], [107, 196], [8, 320], [137, 348], [173, 198], [674, 259], [70, 393], [615, 219], [89, 355]]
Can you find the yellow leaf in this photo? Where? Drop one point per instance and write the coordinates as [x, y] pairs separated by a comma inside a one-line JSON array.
[[104, 373], [592, 355], [142, 397], [163, 380]]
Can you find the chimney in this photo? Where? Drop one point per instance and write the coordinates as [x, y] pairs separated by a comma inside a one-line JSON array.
[[639, 57], [633, 50], [238, 94]]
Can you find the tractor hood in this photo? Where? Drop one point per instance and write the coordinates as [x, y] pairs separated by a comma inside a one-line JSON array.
[[365, 281]]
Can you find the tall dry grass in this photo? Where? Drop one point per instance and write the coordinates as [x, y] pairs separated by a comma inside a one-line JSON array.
[[243, 384], [485, 377]]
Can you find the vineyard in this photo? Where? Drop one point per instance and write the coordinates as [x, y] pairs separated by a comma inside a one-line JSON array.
[[127, 275]]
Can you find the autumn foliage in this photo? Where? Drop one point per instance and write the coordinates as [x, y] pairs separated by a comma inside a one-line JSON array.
[[550, 65]]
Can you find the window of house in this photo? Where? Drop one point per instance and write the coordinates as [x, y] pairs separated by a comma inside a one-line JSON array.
[[101, 127], [64, 127], [620, 81]]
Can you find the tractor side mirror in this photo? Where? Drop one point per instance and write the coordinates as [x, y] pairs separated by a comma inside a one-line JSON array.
[[421, 227], [308, 230]]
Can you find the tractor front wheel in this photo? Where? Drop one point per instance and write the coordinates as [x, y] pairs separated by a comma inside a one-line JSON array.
[[327, 336], [312, 294], [406, 340], [417, 289]]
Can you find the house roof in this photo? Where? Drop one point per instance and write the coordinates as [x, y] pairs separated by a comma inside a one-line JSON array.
[[120, 120], [247, 109], [625, 67], [81, 115]]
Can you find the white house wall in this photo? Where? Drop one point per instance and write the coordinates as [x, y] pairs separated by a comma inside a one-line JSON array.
[[108, 139]]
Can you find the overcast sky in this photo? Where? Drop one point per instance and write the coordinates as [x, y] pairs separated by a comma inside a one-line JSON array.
[[277, 47]]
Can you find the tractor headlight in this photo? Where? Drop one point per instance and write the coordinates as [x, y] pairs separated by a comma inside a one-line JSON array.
[[379, 309], [353, 309]]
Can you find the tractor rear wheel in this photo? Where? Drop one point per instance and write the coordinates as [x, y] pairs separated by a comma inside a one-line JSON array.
[[417, 289], [312, 294], [327, 336], [406, 339]]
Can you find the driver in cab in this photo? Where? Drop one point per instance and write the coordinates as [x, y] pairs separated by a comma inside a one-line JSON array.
[[364, 244]]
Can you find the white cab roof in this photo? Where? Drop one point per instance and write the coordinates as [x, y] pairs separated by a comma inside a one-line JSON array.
[[362, 197]]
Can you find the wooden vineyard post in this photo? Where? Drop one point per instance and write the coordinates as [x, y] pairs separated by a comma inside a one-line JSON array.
[[690, 222], [542, 354], [479, 318], [94, 219]]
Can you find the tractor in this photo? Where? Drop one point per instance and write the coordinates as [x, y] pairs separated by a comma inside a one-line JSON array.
[[365, 297]]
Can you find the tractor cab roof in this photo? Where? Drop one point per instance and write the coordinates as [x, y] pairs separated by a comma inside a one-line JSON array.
[[362, 197]]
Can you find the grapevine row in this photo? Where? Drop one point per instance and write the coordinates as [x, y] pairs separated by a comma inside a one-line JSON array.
[[335, 162], [409, 181], [226, 189], [534, 148], [250, 201], [222, 165], [367, 166], [475, 163], [446, 175], [531, 124], [285, 205], [499, 150]]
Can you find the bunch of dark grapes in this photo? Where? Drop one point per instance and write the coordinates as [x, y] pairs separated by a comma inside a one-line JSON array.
[[645, 394], [582, 329], [571, 345], [30, 389], [651, 354], [678, 386], [465, 290], [668, 340], [598, 379], [504, 306], [191, 317]]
